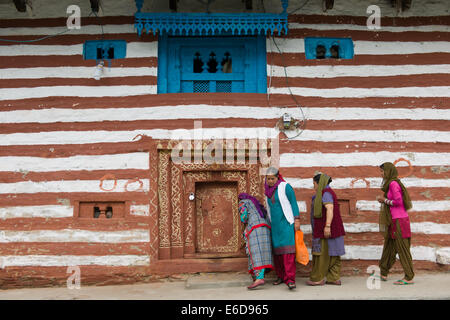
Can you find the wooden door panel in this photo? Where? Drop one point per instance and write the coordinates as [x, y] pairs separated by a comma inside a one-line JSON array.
[[217, 221]]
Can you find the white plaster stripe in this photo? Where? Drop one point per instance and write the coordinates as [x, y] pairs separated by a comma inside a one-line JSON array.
[[302, 206], [74, 235], [354, 27], [318, 159], [66, 260], [365, 71], [140, 210], [374, 183], [418, 206], [291, 45], [129, 28], [44, 211], [372, 252], [75, 91], [126, 90], [27, 187], [374, 135], [203, 111], [75, 72], [56, 211], [135, 160], [346, 92], [150, 49], [82, 137], [399, 47], [134, 50], [416, 227]]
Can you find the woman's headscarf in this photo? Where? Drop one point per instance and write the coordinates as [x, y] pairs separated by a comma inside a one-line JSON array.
[[261, 210], [268, 191], [323, 182], [391, 174]]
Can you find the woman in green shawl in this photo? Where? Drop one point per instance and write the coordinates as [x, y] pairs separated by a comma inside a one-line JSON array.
[[395, 225]]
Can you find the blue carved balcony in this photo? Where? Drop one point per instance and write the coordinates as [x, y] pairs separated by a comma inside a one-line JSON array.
[[210, 24]]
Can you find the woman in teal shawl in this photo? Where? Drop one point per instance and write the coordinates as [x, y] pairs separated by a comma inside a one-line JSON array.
[[282, 212]]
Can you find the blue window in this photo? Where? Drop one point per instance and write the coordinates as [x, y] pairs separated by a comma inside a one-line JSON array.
[[104, 49], [328, 48], [212, 64]]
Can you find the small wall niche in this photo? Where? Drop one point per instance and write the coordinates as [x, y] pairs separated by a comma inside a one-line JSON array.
[[101, 210]]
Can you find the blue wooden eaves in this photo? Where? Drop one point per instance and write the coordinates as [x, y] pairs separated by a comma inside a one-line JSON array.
[[188, 24]]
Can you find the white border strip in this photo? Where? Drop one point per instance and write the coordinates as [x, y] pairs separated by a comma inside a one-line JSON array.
[[134, 50], [366, 71], [361, 47], [126, 90], [82, 137], [76, 91], [374, 183], [364, 227], [318, 159], [203, 111], [73, 235], [287, 45], [346, 92], [44, 211], [57, 211], [75, 72], [53, 261], [422, 206], [70, 186], [121, 161]]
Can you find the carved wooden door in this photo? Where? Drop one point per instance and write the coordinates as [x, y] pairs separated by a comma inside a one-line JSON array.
[[218, 227]]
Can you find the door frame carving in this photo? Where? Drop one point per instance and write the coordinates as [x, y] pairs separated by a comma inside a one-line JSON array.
[[171, 234]]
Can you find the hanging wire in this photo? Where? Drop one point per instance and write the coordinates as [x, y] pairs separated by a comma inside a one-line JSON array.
[[290, 91], [295, 10], [285, 74], [35, 40]]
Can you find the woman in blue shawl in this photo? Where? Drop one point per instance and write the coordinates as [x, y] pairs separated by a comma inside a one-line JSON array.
[[257, 238]]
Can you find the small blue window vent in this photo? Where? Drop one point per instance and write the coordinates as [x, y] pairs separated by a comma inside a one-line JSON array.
[[104, 49], [329, 48]]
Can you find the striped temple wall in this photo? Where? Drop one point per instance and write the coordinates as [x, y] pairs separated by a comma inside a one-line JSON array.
[[61, 132]]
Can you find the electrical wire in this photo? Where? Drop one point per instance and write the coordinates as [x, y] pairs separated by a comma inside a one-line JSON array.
[[304, 4], [35, 40], [290, 91]]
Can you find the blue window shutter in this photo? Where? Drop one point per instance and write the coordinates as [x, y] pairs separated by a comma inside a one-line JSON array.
[[162, 64], [212, 64]]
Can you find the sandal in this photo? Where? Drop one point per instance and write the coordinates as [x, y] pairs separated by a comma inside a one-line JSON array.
[[278, 281], [291, 285], [336, 283], [382, 278], [402, 282], [312, 283]]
